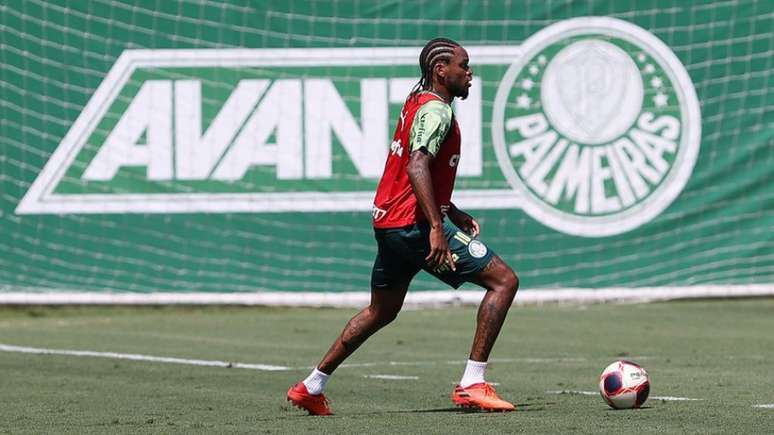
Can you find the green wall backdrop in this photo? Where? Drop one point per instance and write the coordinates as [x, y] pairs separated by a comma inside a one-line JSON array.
[[55, 55]]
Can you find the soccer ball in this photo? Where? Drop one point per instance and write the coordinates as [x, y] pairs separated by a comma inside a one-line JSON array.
[[624, 385]]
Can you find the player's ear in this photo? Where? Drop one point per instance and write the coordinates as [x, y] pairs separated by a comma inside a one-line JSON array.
[[440, 68]]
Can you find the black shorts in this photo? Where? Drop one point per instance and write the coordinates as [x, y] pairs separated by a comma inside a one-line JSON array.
[[402, 253]]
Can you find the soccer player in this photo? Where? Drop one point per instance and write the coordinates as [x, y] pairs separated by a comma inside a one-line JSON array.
[[412, 200]]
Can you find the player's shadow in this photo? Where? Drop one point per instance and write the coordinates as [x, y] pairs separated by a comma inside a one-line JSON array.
[[520, 407], [624, 410]]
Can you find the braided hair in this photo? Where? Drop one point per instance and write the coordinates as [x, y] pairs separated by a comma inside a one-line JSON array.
[[435, 51]]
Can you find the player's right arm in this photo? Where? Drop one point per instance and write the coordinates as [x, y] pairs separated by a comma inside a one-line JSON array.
[[421, 182], [428, 131]]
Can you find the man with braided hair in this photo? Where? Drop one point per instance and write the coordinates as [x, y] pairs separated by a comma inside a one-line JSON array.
[[412, 200]]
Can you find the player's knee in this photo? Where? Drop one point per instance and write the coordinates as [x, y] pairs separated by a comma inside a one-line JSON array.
[[384, 314], [388, 316], [509, 284]]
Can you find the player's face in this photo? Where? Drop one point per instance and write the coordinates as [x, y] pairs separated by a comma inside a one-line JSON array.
[[459, 74]]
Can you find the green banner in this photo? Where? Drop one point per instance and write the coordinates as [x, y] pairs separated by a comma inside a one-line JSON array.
[[172, 147]]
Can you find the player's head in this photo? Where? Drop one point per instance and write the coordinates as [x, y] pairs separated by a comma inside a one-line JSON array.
[[444, 63]]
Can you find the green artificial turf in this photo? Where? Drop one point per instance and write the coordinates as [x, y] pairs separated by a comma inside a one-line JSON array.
[[719, 352]]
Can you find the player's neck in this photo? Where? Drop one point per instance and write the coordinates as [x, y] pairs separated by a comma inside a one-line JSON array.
[[441, 93]]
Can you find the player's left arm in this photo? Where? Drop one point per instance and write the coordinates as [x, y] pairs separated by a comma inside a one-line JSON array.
[[464, 221]]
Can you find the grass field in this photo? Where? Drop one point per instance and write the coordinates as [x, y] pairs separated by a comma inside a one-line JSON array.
[[717, 352]]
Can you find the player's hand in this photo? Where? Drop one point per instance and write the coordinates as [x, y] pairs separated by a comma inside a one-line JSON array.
[[440, 254], [464, 221]]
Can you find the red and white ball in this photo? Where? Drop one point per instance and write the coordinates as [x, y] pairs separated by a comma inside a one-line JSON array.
[[624, 385]]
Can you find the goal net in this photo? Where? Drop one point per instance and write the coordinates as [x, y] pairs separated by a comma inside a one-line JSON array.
[[209, 151]]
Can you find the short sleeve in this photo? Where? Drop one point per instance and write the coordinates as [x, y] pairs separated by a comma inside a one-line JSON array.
[[431, 123]]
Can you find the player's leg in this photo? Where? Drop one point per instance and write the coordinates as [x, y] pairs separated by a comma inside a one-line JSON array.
[[385, 306], [390, 278], [476, 263], [501, 284]]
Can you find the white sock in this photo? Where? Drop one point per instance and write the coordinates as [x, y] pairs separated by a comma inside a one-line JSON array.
[[474, 373], [315, 382]]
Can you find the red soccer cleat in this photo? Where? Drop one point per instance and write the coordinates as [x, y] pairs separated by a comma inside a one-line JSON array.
[[315, 404], [482, 396]]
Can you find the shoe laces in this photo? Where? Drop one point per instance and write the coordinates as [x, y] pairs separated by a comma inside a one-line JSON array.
[[489, 390]]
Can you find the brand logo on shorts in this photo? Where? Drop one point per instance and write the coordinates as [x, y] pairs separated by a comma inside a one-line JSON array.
[[597, 125], [476, 249]]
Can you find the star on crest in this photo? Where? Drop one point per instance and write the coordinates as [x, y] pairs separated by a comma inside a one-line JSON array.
[[660, 100], [656, 82], [527, 84], [534, 70], [649, 68], [523, 101]]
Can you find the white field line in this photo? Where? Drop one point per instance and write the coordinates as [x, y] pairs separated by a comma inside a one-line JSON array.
[[184, 361], [582, 393], [596, 393], [461, 361], [391, 377], [137, 357], [765, 406], [263, 367], [673, 398]]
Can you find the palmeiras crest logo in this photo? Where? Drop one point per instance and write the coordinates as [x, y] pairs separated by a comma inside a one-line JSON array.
[[596, 126]]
